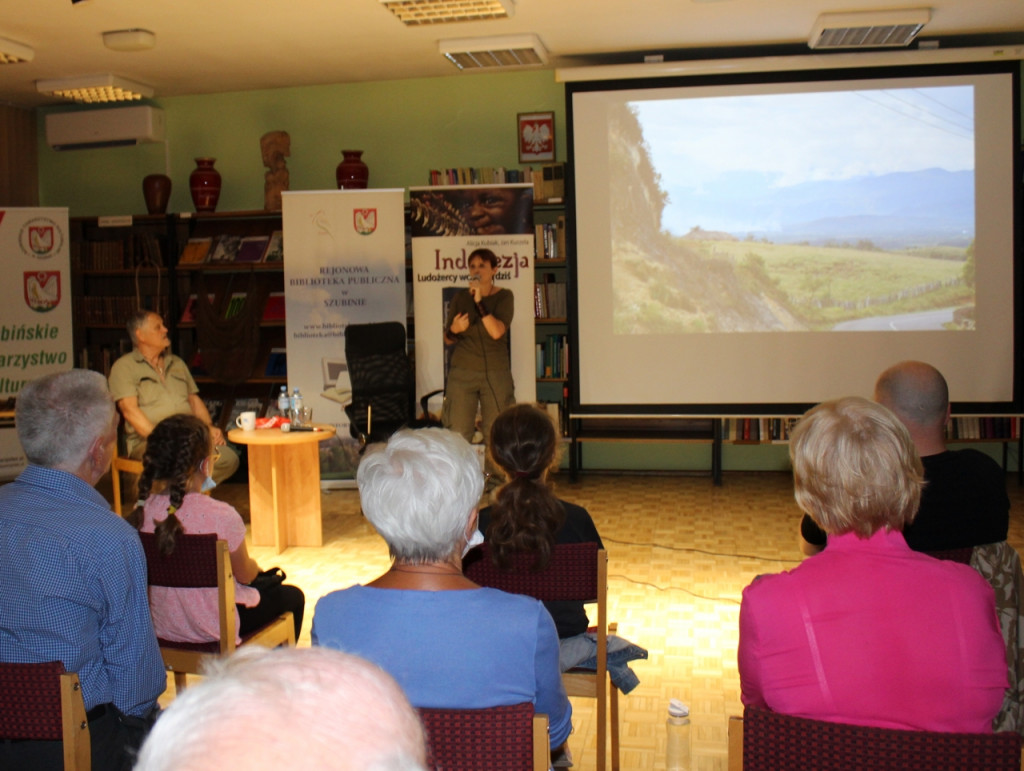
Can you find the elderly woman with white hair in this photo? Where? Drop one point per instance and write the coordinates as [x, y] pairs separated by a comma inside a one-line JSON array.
[[869, 632], [448, 642]]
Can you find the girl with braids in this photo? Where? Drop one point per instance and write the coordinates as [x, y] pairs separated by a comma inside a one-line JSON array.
[[175, 472], [527, 516]]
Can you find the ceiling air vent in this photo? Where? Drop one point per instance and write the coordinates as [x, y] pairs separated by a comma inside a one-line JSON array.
[[488, 52], [416, 12], [868, 29]]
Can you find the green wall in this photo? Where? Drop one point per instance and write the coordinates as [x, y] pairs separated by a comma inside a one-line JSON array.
[[404, 128]]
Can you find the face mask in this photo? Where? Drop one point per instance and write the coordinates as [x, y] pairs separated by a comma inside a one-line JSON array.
[[208, 484], [474, 540]]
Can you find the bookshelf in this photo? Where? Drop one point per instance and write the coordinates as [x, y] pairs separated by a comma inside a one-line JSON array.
[[118, 265], [717, 431], [550, 310], [218, 258]]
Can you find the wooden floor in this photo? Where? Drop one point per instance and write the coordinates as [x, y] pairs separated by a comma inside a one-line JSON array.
[[680, 553]]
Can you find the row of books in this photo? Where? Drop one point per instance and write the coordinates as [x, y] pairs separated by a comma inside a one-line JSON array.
[[757, 429], [231, 248], [116, 309], [119, 254], [102, 357], [484, 175], [983, 427], [553, 357], [549, 299], [273, 308], [558, 414], [551, 240]]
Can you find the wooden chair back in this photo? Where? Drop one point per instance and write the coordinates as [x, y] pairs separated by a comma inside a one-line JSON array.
[[119, 465], [42, 702], [775, 742], [202, 561], [508, 738], [577, 572]]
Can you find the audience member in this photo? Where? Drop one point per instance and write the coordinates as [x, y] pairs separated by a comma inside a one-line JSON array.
[[303, 709], [151, 383], [869, 632], [175, 472], [964, 502], [527, 516], [448, 642], [73, 576]]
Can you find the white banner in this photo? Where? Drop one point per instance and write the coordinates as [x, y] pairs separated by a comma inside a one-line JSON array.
[[344, 264], [35, 323], [447, 224]]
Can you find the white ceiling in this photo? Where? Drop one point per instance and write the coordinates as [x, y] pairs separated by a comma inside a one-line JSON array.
[[212, 46]]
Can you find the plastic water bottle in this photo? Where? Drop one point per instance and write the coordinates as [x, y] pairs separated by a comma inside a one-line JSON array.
[[677, 748], [283, 402], [296, 412]]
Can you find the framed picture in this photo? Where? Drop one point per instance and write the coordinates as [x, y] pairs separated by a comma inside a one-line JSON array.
[[536, 132]]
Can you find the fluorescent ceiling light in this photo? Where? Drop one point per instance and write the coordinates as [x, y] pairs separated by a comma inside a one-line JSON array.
[[95, 88], [502, 51], [129, 40], [868, 29], [12, 52], [416, 12]]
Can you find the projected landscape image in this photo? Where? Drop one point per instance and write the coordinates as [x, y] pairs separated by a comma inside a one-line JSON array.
[[847, 210]]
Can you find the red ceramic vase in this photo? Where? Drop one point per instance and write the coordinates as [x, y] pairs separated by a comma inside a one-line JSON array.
[[204, 184], [352, 173], [156, 189]]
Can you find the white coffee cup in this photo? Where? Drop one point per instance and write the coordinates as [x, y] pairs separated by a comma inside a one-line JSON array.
[[246, 421]]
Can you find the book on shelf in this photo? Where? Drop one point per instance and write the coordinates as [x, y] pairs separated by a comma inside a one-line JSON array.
[[273, 310], [225, 249], [235, 304], [549, 182], [188, 315], [275, 247], [277, 363], [146, 251], [252, 249], [549, 298], [196, 251], [214, 407]]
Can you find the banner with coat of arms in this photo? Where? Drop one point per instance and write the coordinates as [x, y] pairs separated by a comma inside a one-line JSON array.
[[35, 310], [344, 264]]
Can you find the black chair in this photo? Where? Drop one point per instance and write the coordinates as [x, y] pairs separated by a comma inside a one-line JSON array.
[[383, 382]]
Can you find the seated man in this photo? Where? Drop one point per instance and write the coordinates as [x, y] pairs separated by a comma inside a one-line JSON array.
[[964, 503], [288, 708], [151, 383], [73, 581]]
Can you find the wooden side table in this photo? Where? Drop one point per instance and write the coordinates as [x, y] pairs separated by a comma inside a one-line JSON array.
[[284, 485]]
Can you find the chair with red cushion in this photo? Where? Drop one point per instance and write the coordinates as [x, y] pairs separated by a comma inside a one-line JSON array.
[[42, 702], [508, 738], [577, 572], [203, 561], [775, 742]]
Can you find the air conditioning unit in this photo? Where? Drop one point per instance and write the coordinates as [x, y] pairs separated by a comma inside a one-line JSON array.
[[114, 127]]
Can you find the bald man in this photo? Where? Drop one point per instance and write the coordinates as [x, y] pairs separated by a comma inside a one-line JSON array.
[[964, 503], [288, 708]]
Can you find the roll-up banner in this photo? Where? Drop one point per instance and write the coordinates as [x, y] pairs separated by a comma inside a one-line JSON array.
[[447, 224], [35, 310], [344, 264]]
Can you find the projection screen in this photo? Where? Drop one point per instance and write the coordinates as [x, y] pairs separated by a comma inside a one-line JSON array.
[[765, 242]]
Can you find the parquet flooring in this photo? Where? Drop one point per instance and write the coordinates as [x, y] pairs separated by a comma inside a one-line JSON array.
[[680, 553]]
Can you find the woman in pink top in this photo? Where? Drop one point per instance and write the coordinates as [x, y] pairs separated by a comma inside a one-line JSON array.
[[175, 472], [869, 632]]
